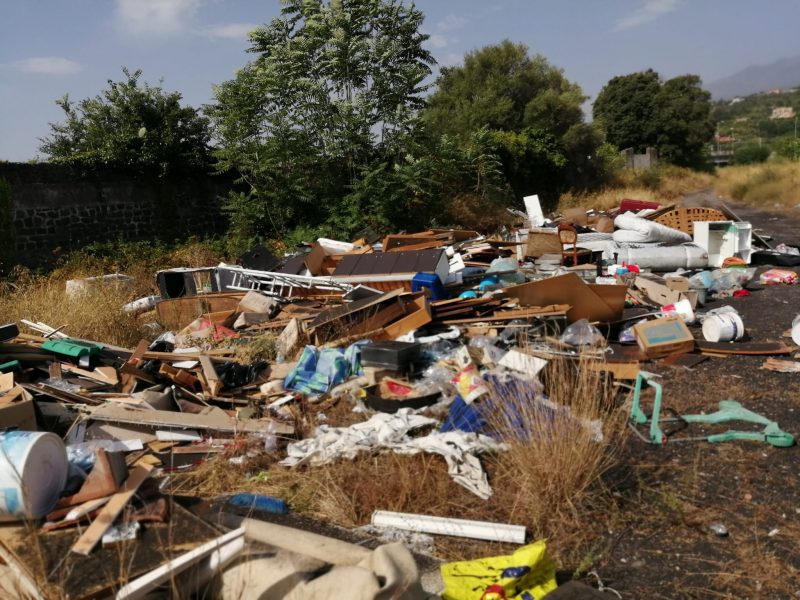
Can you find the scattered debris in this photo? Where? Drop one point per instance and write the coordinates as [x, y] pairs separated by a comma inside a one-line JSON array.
[[422, 338]]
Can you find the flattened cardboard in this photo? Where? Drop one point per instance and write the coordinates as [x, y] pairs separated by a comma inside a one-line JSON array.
[[602, 303], [657, 290]]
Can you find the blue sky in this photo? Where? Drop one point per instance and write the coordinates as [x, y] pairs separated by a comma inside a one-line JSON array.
[[52, 47]]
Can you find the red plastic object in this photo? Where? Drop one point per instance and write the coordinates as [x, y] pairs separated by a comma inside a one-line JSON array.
[[629, 204]]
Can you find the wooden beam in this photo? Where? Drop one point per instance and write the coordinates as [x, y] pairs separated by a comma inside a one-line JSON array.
[[111, 510]]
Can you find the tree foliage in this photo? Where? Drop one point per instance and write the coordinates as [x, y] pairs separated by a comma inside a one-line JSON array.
[[641, 110], [130, 125], [330, 96], [532, 111]]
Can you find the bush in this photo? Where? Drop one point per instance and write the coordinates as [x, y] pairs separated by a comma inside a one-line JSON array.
[[748, 154]]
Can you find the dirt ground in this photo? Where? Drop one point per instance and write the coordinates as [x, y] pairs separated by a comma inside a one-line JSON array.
[[660, 544]]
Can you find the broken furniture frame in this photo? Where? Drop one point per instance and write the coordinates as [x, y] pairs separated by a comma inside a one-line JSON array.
[[729, 410]]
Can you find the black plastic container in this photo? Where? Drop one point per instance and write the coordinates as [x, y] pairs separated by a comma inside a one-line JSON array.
[[397, 356]]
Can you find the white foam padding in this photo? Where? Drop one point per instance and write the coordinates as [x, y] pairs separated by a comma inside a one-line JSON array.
[[633, 229]]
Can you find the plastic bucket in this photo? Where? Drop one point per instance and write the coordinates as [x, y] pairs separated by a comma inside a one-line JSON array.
[[724, 327], [682, 308], [33, 473], [796, 330]]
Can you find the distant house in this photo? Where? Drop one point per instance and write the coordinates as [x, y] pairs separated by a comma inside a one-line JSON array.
[[736, 101], [782, 112], [775, 91], [742, 119]]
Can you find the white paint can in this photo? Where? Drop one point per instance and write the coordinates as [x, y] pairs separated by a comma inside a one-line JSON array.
[[796, 330], [33, 473], [723, 327]]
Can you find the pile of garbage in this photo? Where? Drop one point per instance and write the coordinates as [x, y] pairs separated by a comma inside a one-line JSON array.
[[415, 332]]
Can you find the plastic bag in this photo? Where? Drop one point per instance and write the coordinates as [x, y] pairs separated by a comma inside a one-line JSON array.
[[509, 269], [488, 344], [774, 276], [582, 333], [717, 311], [528, 573]]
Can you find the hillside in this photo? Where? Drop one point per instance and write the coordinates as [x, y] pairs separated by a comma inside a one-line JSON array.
[[749, 118], [783, 74]]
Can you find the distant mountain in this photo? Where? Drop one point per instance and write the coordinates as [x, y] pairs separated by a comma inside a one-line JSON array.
[[784, 74]]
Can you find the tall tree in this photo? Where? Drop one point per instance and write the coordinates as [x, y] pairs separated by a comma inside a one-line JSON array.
[[133, 126], [625, 107], [639, 110], [532, 110], [333, 90]]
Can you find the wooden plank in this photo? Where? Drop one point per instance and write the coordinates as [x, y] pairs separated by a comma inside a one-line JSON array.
[[212, 419], [128, 379], [210, 377], [107, 375], [621, 370], [111, 510], [552, 311], [744, 348]]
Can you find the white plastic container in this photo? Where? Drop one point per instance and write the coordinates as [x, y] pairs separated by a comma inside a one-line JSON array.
[[796, 330], [723, 239], [724, 327], [33, 473]]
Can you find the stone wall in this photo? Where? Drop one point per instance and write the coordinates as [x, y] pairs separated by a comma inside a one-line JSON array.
[[57, 209]]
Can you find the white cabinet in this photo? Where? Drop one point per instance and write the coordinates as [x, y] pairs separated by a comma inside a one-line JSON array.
[[723, 239]]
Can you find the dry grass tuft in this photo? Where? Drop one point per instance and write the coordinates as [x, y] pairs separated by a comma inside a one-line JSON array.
[[259, 347], [771, 185], [567, 445], [95, 315], [666, 184], [549, 481]]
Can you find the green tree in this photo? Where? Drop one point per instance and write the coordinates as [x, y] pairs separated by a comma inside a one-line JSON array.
[[531, 109], [332, 93], [788, 147], [626, 107], [750, 153], [130, 125], [639, 110]]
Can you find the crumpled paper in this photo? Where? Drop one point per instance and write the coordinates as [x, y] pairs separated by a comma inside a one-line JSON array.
[[385, 431]]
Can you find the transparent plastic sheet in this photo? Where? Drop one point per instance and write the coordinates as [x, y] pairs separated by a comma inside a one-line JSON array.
[[582, 333], [489, 346], [717, 311]]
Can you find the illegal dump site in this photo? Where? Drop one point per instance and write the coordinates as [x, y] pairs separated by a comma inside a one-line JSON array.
[[590, 404]]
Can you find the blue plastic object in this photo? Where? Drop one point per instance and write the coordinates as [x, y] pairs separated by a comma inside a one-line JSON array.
[[430, 282], [468, 295], [268, 504]]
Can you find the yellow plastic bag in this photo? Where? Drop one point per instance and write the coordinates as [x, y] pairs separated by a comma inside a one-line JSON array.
[[528, 574]]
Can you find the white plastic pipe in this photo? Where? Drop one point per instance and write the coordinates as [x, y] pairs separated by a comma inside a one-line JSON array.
[[479, 530], [138, 588]]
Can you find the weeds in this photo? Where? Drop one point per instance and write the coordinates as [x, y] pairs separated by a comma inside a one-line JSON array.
[[771, 185], [95, 315], [665, 183]]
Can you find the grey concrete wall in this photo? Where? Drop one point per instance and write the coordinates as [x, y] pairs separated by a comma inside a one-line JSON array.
[[640, 161], [57, 208]]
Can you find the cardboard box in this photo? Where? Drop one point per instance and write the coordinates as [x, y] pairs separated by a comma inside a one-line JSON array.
[[663, 337], [17, 410], [677, 283]]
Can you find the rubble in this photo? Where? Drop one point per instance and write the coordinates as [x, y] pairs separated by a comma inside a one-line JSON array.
[[415, 334]]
